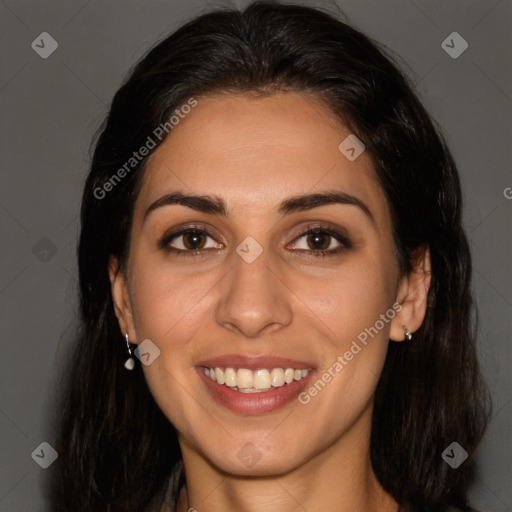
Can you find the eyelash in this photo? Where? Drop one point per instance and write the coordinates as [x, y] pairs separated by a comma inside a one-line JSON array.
[[313, 230]]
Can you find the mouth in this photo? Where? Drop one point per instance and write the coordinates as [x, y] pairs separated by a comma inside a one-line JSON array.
[[254, 385]]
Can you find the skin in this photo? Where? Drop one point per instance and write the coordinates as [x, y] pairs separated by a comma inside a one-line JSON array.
[[254, 153]]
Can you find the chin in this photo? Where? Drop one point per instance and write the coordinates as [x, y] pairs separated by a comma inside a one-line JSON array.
[[257, 466], [258, 458]]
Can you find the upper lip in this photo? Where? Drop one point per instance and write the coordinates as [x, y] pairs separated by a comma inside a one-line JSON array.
[[253, 362]]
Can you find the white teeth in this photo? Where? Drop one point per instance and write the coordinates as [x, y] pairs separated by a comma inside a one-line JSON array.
[[248, 381], [230, 377], [277, 377], [244, 379], [262, 379], [220, 376]]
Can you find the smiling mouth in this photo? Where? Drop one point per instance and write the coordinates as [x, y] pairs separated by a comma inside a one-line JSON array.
[[262, 380]]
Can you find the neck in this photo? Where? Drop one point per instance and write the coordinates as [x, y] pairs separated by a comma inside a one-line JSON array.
[[339, 478]]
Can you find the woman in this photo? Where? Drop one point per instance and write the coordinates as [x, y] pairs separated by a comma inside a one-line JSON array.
[[275, 284]]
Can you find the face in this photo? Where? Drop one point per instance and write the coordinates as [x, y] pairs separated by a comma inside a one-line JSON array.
[[235, 284]]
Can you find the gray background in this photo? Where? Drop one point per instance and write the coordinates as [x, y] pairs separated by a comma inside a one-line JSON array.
[[51, 107]]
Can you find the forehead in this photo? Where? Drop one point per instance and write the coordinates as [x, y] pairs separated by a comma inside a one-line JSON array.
[[256, 151]]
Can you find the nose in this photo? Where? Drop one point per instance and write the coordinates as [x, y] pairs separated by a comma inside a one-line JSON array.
[[254, 300]]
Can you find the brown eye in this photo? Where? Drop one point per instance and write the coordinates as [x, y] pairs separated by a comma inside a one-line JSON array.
[[189, 242], [319, 240], [193, 240]]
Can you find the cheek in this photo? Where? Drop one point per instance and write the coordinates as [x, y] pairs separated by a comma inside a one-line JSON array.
[[355, 312], [352, 301], [170, 308], [167, 310], [166, 301]]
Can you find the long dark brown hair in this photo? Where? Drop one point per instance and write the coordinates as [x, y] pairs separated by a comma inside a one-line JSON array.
[[116, 448]]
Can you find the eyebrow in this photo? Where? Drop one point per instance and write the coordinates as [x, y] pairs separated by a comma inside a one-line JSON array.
[[216, 206]]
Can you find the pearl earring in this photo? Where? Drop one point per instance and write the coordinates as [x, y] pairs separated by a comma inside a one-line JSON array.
[[130, 362]]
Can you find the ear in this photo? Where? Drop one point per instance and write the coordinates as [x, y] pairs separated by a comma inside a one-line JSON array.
[[121, 299], [412, 294]]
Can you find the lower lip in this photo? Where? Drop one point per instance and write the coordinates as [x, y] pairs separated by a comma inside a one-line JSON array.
[[254, 403]]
